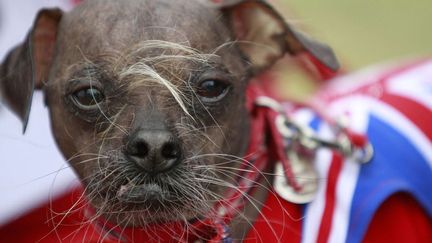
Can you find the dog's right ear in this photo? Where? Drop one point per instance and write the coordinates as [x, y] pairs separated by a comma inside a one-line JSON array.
[[264, 36], [27, 66]]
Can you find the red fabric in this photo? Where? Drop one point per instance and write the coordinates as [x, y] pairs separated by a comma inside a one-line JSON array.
[[416, 112], [400, 219], [327, 94], [65, 221], [327, 218], [49, 224], [279, 221], [358, 140], [312, 64]]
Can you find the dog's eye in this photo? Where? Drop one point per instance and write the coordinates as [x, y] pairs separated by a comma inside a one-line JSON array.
[[88, 97], [212, 90]]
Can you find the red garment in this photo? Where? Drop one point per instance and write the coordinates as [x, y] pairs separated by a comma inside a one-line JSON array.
[[280, 221]]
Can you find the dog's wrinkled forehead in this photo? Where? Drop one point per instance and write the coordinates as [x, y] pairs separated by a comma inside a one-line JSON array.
[[96, 26], [247, 36]]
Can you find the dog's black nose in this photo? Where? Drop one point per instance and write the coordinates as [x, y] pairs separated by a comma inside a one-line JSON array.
[[154, 150]]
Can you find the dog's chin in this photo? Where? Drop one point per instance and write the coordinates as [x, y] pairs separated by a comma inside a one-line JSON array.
[[150, 194], [126, 195], [141, 205], [148, 199]]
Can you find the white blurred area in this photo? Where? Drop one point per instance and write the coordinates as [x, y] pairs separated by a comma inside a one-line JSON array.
[[32, 171]]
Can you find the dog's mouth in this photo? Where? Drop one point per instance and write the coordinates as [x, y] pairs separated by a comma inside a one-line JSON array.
[[144, 194], [150, 195], [124, 193]]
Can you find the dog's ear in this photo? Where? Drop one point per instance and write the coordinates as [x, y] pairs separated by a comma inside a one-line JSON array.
[[264, 36], [26, 67]]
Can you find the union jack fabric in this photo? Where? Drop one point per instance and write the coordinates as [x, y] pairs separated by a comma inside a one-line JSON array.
[[394, 108], [360, 202]]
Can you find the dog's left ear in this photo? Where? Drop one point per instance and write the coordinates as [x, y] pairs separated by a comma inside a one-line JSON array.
[[264, 36], [27, 65]]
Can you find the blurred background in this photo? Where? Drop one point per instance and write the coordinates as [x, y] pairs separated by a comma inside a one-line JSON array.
[[361, 32]]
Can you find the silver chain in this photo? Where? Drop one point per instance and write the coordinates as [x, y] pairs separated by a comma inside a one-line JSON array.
[[307, 138]]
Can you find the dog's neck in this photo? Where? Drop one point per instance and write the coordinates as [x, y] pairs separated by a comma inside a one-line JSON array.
[[195, 230]]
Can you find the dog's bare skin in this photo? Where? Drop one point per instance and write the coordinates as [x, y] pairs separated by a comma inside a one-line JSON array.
[[147, 99]]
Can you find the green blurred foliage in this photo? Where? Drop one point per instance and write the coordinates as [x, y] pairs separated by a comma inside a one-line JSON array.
[[367, 31], [362, 32]]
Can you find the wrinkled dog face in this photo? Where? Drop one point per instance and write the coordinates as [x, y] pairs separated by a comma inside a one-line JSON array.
[[147, 97], [143, 110]]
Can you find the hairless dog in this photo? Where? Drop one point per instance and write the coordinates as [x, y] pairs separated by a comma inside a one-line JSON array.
[[148, 101]]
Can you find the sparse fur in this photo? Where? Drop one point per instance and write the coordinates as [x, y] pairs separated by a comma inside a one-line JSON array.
[[147, 60]]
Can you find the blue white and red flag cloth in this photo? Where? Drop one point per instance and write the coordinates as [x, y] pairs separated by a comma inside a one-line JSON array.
[[393, 106], [388, 199]]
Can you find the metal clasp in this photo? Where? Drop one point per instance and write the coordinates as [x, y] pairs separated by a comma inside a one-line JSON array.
[[306, 137]]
